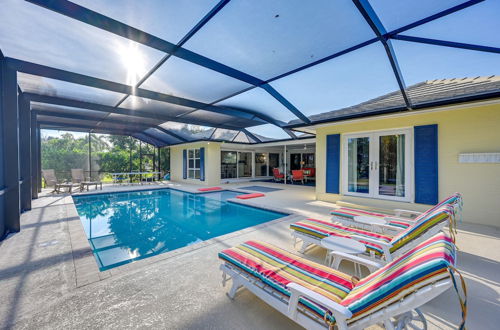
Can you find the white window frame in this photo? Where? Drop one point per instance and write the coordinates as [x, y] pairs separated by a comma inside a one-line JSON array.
[[374, 162], [193, 169]]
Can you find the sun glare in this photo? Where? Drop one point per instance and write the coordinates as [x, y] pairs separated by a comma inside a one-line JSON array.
[[134, 62]]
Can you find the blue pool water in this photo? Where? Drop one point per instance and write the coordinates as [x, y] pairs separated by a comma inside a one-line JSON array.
[[127, 226]]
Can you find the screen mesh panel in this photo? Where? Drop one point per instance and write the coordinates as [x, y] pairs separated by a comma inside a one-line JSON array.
[[29, 32], [268, 38], [46, 86], [169, 20], [181, 78]]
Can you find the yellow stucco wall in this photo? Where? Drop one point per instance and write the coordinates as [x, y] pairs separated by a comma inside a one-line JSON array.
[[212, 163], [475, 129]]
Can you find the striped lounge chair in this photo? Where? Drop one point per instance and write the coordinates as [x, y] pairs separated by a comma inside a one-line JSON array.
[[318, 297], [394, 223], [381, 247]]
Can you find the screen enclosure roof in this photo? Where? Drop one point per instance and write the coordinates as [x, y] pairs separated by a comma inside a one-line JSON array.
[[244, 71]]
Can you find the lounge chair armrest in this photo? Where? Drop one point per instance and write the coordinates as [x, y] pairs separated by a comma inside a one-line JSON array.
[[372, 265], [371, 240], [339, 312], [399, 212], [410, 221]]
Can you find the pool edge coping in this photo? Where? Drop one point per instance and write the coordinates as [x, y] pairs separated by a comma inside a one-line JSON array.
[[85, 265]]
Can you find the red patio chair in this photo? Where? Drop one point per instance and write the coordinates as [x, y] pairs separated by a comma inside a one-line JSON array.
[[277, 176], [298, 175]]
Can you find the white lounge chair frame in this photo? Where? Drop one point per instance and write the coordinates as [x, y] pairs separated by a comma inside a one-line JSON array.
[[387, 256], [376, 228], [407, 216], [394, 316]]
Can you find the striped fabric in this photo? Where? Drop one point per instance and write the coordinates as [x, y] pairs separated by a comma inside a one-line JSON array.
[[349, 214], [425, 264], [322, 229], [423, 224], [277, 268], [455, 200]]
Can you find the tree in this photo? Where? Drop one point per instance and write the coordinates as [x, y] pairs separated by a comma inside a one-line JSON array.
[[110, 153], [64, 153]]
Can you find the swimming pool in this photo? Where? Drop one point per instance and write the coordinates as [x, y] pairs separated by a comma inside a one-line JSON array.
[[127, 226]]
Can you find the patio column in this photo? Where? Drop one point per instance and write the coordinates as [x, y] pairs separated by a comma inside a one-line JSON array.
[[284, 162], [9, 148], [34, 157], [159, 164], [90, 156], [39, 157], [25, 153], [140, 161]]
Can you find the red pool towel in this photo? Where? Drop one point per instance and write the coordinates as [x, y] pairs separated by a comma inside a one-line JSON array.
[[248, 196], [210, 189]]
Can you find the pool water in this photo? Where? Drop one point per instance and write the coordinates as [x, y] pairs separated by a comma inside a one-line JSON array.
[[127, 226]]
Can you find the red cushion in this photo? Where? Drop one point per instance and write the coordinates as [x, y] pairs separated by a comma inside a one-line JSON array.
[[247, 196], [210, 189]]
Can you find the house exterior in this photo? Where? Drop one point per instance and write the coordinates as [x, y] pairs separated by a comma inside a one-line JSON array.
[[206, 162], [459, 130], [405, 159]]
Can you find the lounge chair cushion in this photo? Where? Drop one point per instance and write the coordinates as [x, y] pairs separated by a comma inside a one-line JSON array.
[[426, 263], [248, 196], [322, 229], [277, 268], [348, 213], [423, 224], [210, 189]]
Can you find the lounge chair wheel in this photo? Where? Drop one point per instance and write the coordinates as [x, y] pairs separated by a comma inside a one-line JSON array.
[[412, 320]]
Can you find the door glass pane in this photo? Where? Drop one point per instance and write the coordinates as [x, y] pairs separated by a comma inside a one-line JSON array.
[[308, 160], [274, 161], [245, 164], [392, 165], [358, 162], [295, 162], [260, 164], [228, 164]]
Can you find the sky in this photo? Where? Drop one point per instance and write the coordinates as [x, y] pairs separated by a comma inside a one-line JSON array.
[[57, 133], [262, 38]]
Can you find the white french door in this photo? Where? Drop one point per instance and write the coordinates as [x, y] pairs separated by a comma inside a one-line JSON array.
[[378, 164]]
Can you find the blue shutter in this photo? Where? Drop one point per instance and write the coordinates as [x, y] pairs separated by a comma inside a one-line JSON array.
[[184, 164], [333, 163], [202, 164], [426, 164]]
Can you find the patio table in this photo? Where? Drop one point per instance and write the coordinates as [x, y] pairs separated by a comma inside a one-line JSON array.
[[368, 220], [342, 244], [84, 184]]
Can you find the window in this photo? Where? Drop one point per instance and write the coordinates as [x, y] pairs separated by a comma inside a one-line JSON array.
[[236, 164], [377, 164], [261, 167], [193, 163]]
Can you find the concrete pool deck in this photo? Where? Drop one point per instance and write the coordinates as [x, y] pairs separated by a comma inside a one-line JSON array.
[[39, 267]]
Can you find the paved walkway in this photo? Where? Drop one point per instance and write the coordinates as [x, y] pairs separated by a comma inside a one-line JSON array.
[[38, 284]]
